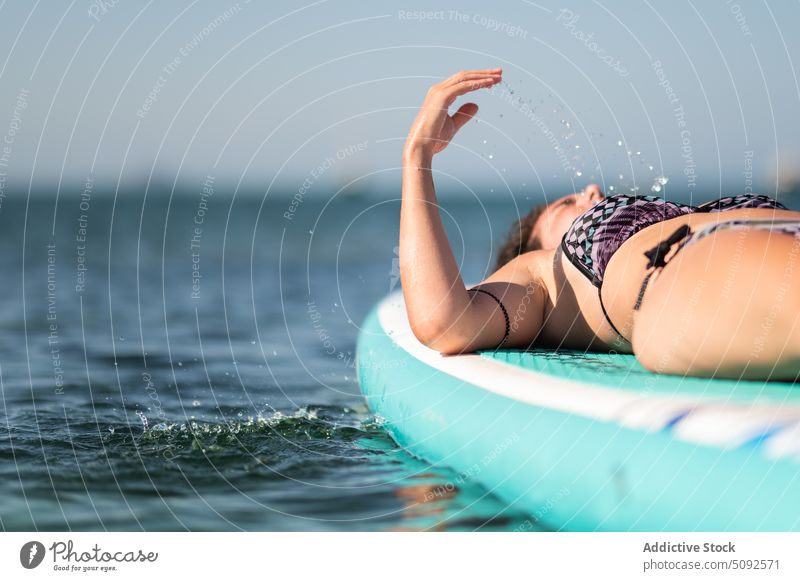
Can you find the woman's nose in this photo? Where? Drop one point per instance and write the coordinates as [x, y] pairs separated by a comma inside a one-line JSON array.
[[590, 196], [593, 192]]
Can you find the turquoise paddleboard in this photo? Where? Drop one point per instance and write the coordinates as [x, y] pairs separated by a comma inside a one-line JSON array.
[[588, 441]]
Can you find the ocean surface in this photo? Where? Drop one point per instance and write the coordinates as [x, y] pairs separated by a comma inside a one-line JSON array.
[[185, 361]]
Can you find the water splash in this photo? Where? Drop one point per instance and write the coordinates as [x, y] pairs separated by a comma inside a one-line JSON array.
[[143, 418], [659, 183]]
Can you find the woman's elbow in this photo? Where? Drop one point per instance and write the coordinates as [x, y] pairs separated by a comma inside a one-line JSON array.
[[445, 340]]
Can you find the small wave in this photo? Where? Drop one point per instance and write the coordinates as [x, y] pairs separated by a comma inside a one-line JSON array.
[[325, 430]]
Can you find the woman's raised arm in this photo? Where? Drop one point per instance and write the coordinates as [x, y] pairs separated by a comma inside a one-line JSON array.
[[443, 314]]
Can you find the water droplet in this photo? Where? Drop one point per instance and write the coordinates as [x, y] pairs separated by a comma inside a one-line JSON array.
[[621, 176], [484, 141], [579, 173], [619, 143], [121, 339], [275, 353], [650, 167], [491, 156], [252, 342], [196, 403], [143, 418], [638, 153], [180, 363], [610, 188], [577, 146]]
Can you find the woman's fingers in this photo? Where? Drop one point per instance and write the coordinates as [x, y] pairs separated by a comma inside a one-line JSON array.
[[475, 81], [471, 74], [464, 114], [433, 124], [464, 87], [450, 92], [462, 83], [475, 77]]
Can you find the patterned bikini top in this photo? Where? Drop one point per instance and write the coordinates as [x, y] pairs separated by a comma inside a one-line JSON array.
[[597, 234]]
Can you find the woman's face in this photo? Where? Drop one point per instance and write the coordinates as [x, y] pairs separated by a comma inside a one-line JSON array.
[[559, 215]]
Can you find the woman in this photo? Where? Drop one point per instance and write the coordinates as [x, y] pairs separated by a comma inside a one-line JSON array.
[[708, 291]]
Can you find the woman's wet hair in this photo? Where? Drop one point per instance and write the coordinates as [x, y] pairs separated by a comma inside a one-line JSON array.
[[519, 238]]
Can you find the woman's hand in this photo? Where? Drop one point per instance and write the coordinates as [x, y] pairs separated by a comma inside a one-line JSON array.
[[442, 314], [434, 127]]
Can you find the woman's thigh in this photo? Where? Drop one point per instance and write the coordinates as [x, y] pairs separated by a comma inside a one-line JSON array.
[[727, 305]]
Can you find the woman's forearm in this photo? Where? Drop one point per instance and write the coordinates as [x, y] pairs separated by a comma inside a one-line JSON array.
[[435, 296], [439, 307]]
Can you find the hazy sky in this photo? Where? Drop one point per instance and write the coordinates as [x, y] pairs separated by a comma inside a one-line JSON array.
[[324, 92]]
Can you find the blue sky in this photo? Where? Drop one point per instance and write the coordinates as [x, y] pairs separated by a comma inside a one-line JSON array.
[[274, 95]]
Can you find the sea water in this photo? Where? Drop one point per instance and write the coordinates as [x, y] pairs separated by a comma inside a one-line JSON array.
[[186, 362]]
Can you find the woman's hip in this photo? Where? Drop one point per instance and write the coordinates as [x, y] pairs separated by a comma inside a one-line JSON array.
[[727, 303]]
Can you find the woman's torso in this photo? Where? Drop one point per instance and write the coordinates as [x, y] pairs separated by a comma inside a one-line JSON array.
[[573, 313]]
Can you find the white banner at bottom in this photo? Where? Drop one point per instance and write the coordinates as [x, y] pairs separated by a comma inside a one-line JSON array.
[[387, 556]]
